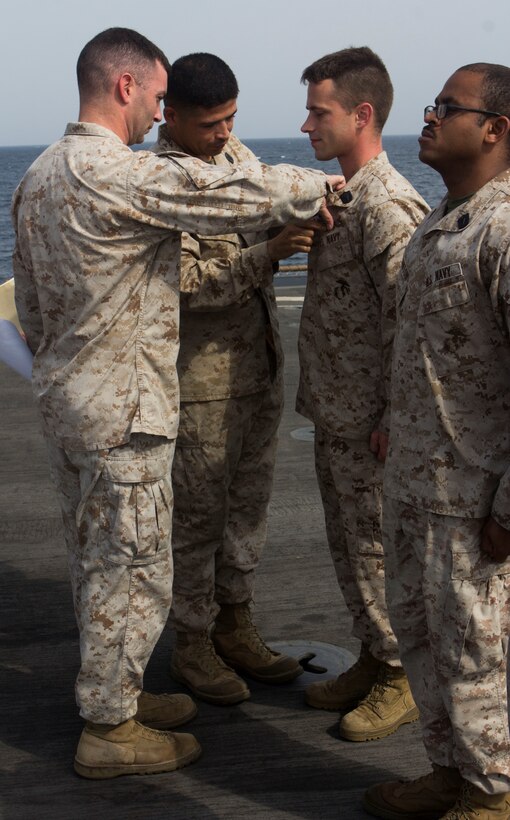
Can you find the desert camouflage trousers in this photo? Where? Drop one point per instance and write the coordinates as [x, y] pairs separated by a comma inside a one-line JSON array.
[[450, 609], [350, 482], [222, 479], [117, 513]]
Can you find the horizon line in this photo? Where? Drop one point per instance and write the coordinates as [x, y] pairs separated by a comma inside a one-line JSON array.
[[151, 142]]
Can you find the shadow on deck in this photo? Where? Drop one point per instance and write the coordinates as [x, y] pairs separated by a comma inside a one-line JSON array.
[[270, 757]]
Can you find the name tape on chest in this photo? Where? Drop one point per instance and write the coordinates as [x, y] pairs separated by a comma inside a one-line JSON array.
[[444, 276]]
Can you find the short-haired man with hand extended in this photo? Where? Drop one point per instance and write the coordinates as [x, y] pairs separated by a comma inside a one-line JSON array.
[[345, 347], [96, 270], [447, 481], [231, 392]]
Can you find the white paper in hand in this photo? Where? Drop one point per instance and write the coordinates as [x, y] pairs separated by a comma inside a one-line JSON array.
[[14, 350]]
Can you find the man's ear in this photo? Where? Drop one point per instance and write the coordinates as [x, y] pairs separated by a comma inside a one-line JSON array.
[[125, 86], [364, 114], [169, 114], [497, 130]]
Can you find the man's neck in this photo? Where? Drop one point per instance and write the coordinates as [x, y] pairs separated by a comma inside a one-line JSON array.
[[358, 157], [108, 120], [169, 135], [461, 184]]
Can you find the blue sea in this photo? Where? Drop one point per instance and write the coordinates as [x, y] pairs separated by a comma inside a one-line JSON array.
[[402, 152]]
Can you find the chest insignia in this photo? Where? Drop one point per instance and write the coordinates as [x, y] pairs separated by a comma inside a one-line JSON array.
[[445, 276]]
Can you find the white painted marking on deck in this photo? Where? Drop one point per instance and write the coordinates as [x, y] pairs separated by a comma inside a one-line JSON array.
[[303, 434]]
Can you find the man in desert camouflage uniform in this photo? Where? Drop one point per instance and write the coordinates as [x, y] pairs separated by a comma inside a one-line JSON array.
[[447, 485], [230, 376], [96, 266], [345, 345]]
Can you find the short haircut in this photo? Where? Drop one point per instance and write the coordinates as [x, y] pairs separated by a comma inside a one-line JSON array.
[[112, 52], [359, 76], [495, 86], [200, 80]]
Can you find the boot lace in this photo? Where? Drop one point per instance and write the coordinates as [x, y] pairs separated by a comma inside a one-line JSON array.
[[379, 690], [210, 661], [150, 734], [376, 695], [464, 808], [249, 630]]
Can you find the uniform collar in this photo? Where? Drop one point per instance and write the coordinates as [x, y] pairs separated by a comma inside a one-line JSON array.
[[462, 216], [90, 129], [166, 144], [354, 187]]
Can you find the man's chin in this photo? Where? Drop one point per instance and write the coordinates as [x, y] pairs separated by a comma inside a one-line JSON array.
[[426, 156], [322, 154]]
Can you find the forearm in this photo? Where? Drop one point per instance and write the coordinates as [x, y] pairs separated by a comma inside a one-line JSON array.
[[215, 283], [383, 270], [182, 193]]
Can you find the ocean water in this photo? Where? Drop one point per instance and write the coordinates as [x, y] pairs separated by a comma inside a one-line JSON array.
[[402, 152]]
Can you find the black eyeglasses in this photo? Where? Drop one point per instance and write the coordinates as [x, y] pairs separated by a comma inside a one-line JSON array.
[[441, 111]]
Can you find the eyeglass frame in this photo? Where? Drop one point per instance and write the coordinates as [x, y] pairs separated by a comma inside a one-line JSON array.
[[435, 109]]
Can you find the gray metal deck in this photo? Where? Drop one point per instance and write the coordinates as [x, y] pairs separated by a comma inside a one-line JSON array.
[[270, 757]]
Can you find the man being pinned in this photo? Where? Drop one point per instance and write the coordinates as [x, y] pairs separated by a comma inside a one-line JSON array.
[[345, 347]]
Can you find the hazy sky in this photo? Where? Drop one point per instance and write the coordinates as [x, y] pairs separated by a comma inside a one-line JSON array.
[[266, 42]]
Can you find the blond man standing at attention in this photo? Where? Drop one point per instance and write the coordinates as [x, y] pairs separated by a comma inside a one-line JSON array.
[[345, 348]]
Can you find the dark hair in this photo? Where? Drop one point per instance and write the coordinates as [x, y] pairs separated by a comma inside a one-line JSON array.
[[495, 86], [116, 50], [200, 79], [359, 76]]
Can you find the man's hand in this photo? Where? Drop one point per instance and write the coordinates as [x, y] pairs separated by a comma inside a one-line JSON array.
[[292, 239], [324, 218], [495, 540], [379, 445], [335, 181]]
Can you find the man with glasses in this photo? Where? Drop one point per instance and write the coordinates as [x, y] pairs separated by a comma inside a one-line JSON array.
[[447, 481]]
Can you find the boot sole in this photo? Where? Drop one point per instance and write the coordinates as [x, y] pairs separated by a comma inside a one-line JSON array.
[[217, 700], [165, 724], [107, 772], [360, 737]]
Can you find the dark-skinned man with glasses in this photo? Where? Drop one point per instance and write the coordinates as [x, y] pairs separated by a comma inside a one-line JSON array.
[[447, 481]]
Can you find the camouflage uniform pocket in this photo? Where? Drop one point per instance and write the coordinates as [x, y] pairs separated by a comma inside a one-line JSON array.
[[368, 501], [455, 330], [471, 639], [126, 510]]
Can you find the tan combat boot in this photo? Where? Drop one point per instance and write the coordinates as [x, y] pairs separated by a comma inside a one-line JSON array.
[[130, 748], [388, 705], [345, 691], [426, 798], [474, 804], [236, 639], [196, 664], [164, 711]]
